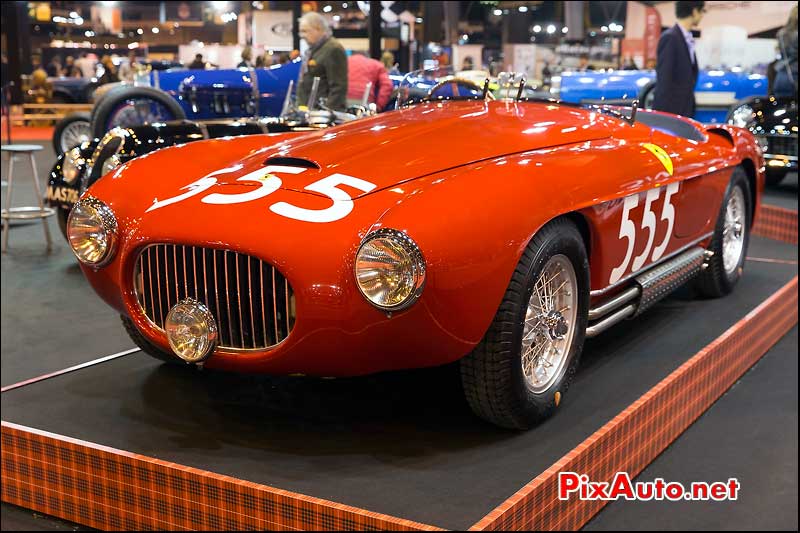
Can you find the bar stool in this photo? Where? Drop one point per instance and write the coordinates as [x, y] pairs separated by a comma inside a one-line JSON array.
[[24, 213]]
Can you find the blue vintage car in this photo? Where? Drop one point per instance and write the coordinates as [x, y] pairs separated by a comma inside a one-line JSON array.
[[716, 90], [195, 94]]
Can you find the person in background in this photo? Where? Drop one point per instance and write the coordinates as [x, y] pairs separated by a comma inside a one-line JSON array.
[[583, 64], [128, 70], [468, 63], [785, 83], [629, 64], [85, 65], [261, 62], [53, 68], [109, 71], [676, 63], [198, 63], [247, 57], [362, 70], [70, 69], [325, 59], [387, 58]]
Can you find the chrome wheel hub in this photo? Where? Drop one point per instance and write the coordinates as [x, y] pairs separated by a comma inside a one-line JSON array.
[[549, 324], [733, 231]]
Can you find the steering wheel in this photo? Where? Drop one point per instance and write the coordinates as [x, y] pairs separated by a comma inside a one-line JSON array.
[[453, 87]]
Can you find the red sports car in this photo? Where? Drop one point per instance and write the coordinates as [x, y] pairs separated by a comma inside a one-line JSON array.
[[499, 234]]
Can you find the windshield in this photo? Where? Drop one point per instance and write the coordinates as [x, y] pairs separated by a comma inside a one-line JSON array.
[[439, 83]]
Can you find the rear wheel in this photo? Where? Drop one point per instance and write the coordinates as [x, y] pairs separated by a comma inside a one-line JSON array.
[[520, 371], [730, 240]]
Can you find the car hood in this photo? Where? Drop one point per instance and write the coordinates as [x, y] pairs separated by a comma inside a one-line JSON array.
[[384, 151], [398, 146]]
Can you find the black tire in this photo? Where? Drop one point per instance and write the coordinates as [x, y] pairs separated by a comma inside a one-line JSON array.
[[774, 176], [70, 120], [62, 215], [146, 346], [102, 111], [647, 94], [714, 281], [492, 375]]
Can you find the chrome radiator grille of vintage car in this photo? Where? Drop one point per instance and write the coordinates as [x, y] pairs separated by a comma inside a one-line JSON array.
[[251, 300], [783, 145]]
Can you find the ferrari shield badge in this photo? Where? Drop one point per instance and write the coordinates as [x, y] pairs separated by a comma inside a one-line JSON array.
[[661, 155]]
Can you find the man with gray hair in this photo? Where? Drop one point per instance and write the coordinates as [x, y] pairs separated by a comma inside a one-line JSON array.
[[325, 58]]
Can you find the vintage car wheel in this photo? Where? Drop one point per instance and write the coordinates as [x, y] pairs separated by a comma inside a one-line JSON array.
[[146, 346], [730, 240], [775, 175], [71, 131], [647, 95], [525, 363], [134, 106]]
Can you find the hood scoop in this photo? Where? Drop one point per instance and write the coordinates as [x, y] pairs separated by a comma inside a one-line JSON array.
[[291, 162]]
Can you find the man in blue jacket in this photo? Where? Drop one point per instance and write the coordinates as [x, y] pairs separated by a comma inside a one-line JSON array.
[[676, 66]]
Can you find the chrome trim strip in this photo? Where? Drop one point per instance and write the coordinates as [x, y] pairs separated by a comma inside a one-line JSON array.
[[622, 298], [239, 296], [228, 296], [770, 157], [641, 271], [156, 79], [158, 288], [286, 297], [216, 291], [263, 311], [250, 293], [274, 306]]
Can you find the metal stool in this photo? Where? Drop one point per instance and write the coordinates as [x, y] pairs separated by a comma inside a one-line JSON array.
[[24, 213]]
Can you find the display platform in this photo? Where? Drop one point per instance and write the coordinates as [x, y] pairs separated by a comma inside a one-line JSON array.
[[130, 443]]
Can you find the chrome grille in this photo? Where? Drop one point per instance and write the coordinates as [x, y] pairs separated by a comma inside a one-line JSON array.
[[252, 302], [783, 145]]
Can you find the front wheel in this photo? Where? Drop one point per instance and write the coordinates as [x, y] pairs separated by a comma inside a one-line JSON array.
[[520, 371]]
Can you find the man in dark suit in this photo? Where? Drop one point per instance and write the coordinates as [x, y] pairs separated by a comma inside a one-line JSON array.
[[676, 67]]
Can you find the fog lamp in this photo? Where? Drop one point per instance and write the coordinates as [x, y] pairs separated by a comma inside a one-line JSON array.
[[191, 330]]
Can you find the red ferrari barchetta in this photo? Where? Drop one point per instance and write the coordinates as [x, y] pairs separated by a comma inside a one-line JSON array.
[[499, 234]]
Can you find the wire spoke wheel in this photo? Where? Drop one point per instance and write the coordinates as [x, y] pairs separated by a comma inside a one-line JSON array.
[[733, 230], [550, 321]]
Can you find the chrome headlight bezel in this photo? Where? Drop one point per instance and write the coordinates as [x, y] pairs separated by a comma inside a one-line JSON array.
[[104, 223], [741, 116], [414, 262], [72, 164]]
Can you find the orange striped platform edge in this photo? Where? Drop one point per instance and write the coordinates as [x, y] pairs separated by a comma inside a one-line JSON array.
[[111, 489], [636, 436], [777, 223]]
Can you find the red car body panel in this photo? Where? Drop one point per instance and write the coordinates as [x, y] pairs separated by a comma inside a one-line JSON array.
[[470, 182]]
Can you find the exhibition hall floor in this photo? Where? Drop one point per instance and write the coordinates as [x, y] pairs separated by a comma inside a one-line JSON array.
[[404, 443]]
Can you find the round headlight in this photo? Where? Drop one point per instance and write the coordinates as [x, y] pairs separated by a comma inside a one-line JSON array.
[[191, 330], [741, 116], [92, 232], [70, 167], [390, 270], [109, 164]]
